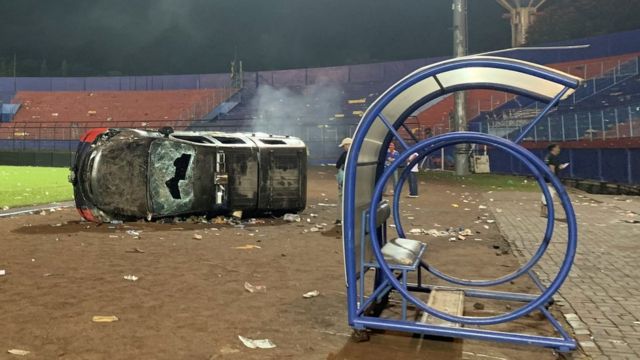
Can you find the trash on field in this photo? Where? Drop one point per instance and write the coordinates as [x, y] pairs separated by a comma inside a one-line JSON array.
[[237, 214], [247, 247], [455, 205], [254, 288], [5, 208], [136, 251], [498, 210], [197, 236], [452, 239], [133, 233], [314, 229], [103, 319], [461, 237], [3, 272], [477, 239], [489, 221], [466, 232], [115, 222], [313, 215], [257, 344], [486, 227], [291, 217], [131, 277], [416, 231], [433, 232], [311, 294], [18, 352], [481, 207], [330, 205]]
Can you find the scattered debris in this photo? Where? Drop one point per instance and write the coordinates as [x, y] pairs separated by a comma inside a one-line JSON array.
[[102, 319], [237, 214], [3, 272], [481, 207], [18, 352], [136, 251], [254, 288], [131, 277], [330, 205], [466, 232], [133, 233], [291, 217], [311, 294], [5, 208], [247, 247], [197, 236], [455, 205], [257, 344], [486, 227], [314, 229], [489, 221]]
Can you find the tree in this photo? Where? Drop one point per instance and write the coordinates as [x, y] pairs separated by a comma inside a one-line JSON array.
[[572, 19]]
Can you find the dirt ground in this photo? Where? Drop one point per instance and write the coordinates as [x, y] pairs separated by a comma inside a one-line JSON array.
[[190, 302]]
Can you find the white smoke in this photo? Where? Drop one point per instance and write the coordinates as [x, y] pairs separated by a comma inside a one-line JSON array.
[[280, 109]]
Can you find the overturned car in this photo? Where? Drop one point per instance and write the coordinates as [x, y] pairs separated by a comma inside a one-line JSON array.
[[123, 174]]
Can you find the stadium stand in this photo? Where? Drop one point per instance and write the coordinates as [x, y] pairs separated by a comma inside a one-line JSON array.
[[604, 112]]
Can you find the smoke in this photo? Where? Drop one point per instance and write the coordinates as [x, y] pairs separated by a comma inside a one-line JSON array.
[[280, 110]]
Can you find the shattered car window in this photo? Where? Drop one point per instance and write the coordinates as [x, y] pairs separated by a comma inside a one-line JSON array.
[[171, 177]]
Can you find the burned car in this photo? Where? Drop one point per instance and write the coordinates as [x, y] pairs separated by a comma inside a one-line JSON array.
[[123, 174]]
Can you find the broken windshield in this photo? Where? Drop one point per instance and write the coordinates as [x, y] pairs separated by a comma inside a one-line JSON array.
[[171, 177]]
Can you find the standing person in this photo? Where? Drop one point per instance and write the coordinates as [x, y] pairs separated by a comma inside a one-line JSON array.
[[345, 145], [392, 154], [553, 162], [413, 177]]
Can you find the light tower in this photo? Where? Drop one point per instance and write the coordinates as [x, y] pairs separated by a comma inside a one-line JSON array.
[[522, 13]]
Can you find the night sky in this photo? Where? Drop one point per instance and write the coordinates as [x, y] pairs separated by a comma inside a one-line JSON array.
[[202, 36]]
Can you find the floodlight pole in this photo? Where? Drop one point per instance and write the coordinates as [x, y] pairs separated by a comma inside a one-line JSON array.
[[521, 17], [459, 111]]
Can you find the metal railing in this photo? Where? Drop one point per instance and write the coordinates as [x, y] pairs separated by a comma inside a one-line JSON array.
[[603, 124]]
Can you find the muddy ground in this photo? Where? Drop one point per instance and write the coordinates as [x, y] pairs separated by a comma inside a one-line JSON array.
[[190, 302]]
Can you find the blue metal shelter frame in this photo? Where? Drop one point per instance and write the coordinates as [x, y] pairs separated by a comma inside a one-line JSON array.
[[364, 223]]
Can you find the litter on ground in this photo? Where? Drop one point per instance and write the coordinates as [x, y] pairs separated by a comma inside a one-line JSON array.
[[311, 294], [104, 319], [254, 288], [257, 344]]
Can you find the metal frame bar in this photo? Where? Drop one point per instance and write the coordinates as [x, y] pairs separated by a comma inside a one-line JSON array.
[[386, 280]]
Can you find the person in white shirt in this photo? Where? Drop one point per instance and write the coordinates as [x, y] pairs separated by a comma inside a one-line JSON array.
[[413, 177]]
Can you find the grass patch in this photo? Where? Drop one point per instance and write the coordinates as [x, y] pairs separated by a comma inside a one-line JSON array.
[[484, 181], [26, 185]]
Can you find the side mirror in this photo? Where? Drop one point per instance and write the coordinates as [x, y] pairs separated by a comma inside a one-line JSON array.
[[166, 131]]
